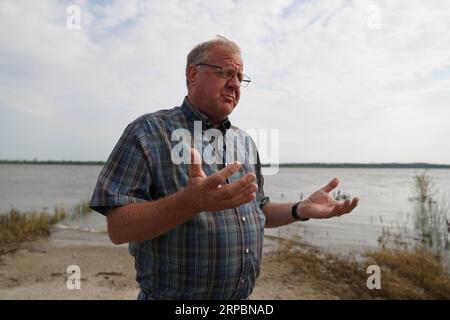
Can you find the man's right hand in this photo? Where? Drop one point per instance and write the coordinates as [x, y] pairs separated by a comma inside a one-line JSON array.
[[213, 193], [144, 221]]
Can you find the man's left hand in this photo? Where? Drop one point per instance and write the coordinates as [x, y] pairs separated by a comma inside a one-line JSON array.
[[321, 205]]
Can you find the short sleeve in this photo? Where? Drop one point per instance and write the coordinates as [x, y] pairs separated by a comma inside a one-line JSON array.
[[126, 176], [261, 198]]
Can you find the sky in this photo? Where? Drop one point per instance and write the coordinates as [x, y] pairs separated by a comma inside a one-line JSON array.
[[341, 81]]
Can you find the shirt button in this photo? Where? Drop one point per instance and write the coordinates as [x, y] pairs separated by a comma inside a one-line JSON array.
[[247, 250], [243, 219], [243, 281]]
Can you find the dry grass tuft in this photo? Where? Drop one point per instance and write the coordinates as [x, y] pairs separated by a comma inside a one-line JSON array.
[[404, 274], [16, 226]]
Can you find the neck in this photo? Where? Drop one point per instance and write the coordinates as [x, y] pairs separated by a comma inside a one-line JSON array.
[[216, 124]]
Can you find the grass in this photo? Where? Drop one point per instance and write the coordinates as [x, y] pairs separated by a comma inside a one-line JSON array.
[[16, 226], [404, 274], [414, 274], [83, 208]]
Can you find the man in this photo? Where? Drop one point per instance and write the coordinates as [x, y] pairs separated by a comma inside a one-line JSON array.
[[196, 231]]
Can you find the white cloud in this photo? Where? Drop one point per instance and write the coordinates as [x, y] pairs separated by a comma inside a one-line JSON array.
[[337, 89]]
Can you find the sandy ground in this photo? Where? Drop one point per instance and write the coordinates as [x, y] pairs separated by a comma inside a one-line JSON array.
[[37, 270]]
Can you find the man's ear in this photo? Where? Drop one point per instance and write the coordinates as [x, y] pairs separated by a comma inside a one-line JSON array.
[[191, 74]]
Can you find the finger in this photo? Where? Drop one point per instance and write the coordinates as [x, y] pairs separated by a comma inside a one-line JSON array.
[[195, 168], [240, 199], [346, 207], [251, 188], [241, 185], [245, 197], [354, 203], [347, 203], [331, 185], [221, 177], [339, 209]]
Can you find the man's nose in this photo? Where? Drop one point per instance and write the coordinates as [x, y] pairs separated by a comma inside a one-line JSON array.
[[234, 81]]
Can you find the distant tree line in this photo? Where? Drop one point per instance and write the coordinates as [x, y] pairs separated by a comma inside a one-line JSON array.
[[53, 162], [394, 165]]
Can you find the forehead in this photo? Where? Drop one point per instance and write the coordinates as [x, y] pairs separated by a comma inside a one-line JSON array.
[[225, 56]]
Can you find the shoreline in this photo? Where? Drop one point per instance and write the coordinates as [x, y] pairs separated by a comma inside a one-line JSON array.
[[37, 270], [314, 165]]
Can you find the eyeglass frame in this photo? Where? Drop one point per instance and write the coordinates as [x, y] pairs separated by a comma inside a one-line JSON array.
[[244, 82]]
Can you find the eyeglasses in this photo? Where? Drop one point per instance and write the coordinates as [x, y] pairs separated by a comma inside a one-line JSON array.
[[228, 73]]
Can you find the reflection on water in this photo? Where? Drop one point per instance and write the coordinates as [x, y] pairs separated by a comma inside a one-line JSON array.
[[383, 194]]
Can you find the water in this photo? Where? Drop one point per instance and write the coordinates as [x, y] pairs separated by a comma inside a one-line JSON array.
[[43, 187], [384, 201], [383, 194]]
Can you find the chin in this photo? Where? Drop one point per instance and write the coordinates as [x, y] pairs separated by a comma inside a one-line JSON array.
[[222, 111], [228, 105], [227, 109]]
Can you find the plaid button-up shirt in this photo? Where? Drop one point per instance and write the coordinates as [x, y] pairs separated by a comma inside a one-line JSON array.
[[215, 255]]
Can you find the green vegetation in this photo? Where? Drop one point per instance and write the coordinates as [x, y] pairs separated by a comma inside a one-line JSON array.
[[341, 196], [430, 233], [431, 217], [414, 263], [16, 226], [82, 209]]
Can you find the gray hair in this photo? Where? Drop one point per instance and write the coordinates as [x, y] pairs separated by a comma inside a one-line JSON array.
[[201, 51]]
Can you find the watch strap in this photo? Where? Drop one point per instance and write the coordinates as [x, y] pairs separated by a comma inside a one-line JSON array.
[[294, 212]]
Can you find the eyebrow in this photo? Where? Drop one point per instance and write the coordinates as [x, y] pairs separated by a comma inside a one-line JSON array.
[[239, 66]]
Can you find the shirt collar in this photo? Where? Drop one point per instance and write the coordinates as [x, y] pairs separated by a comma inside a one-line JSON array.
[[194, 114]]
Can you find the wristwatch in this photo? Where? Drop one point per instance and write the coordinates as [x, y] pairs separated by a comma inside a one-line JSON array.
[[294, 212]]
